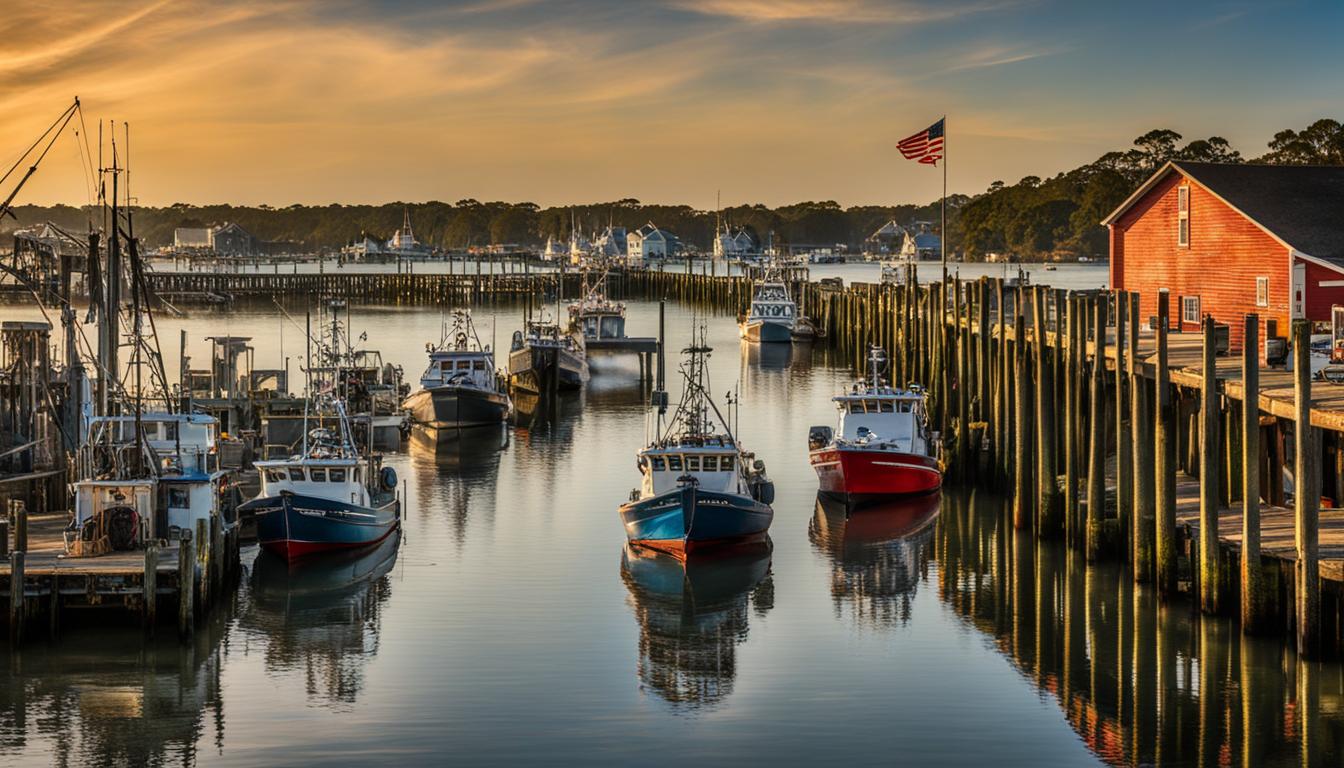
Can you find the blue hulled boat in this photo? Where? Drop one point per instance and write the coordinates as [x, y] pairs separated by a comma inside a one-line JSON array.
[[325, 498], [699, 489]]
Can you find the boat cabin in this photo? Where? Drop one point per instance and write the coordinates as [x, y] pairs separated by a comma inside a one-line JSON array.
[[715, 464], [460, 367], [771, 302], [336, 478], [604, 320], [883, 416]]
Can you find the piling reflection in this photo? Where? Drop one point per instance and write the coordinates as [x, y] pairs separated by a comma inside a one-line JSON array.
[[692, 616], [110, 698], [879, 553], [1141, 683], [322, 618]]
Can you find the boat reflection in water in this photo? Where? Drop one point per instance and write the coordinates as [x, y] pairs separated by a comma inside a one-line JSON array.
[[322, 620], [110, 697], [467, 451], [1141, 683], [457, 476], [692, 615], [879, 553], [769, 357]]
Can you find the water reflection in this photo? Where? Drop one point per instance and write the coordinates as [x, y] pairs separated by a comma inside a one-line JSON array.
[[768, 357], [879, 553], [1141, 683], [322, 618], [457, 473], [692, 616], [110, 698]]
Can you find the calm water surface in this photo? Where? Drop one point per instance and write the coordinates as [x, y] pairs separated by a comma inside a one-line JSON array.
[[510, 624]]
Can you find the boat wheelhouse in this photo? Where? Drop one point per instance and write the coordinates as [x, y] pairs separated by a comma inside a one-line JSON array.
[[883, 445], [595, 316], [772, 314], [460, 388], [543, 358]]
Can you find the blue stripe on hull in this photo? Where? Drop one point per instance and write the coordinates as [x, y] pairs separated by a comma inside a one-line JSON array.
[[296, 525], [769, 332], [689, 516]]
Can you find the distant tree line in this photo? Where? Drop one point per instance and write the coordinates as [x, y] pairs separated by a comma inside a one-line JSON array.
[[1033, 219]]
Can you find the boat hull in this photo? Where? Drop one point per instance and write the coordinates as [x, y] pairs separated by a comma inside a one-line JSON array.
[[689, 519], [450, 407], [296, 526], [861, 472], [531, 368], [767, 331]]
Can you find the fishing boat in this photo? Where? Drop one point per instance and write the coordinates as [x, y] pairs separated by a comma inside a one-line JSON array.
[[700, 489], [544, 358], [325, 498], [371, 390], [460, 388], [883, 446], [595, 316], [772, 314]]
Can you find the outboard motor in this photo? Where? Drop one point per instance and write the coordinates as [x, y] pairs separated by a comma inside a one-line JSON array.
[[762, 489], [818, 437]]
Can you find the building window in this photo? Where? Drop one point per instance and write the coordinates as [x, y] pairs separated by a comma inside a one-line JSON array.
[[1262, 291], [1183, 217], [1190, 309]]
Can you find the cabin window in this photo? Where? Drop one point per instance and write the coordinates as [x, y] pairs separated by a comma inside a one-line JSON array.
[[905, 406], [356, 475], [725, 463], [657, 463], [692, 463], [856, 407], [317, 474], [276, 476], [674, 463], [887, 406], [179, 498], [337, 474], [1190, 309], [1262, 291], [1183, 217]]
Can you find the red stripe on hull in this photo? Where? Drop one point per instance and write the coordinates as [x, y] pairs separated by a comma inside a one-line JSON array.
[[855, 472], [297, 550]]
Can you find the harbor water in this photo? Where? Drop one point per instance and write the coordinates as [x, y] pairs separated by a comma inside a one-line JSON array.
[[510, 624]]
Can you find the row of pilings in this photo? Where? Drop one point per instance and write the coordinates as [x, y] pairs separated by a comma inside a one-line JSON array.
[[1040, 393]]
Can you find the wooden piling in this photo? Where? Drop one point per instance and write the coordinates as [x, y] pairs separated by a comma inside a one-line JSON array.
[[1070, 426], [1209, 554], [19, 512], [4, 536], [186, 585], [1021, 429], [1096, 452], [151, 586], [1164, 439], [1142, 443], [1047, 480], [1306, 497], [1252, 575], [203, 556], [1124, 478], [16, 596]]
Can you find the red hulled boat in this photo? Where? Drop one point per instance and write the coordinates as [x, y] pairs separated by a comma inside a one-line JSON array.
[[883, 446]]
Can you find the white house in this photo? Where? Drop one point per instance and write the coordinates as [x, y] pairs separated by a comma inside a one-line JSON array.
[[649, 242]]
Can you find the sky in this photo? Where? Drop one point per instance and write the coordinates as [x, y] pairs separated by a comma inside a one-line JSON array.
[[569, 101]]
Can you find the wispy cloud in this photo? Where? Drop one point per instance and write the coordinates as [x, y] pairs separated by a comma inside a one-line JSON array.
[[840, 11], [998, 56]]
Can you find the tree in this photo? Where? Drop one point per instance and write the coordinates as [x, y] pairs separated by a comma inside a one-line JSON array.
[[1321, 143]]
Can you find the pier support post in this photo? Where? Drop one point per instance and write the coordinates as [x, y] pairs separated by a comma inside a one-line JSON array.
[[16, 596], [1165, 459], [1047, 480], [1252, 575], [1210, 572], [1306, 496], [1021, 429], [19, 511], [151, 587], [1096, 454], [1069, 375], [4, 537], [1124, 479], [1141, 422], [186, 585]]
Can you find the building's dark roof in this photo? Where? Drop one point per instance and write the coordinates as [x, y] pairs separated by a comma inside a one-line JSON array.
[[1302, 205]]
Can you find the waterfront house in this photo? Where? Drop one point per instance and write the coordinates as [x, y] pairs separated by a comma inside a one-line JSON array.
[[885, 240], [232, 240], [191, 238], [1226, 240], [650, 242]]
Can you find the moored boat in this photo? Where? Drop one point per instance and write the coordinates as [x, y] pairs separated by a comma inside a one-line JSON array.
[[325, 498], [883, 446], [700, 489], [543, 357], [772, 315], [460, 388]]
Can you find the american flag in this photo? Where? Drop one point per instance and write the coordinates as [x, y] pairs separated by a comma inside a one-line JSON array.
[[925, 146]]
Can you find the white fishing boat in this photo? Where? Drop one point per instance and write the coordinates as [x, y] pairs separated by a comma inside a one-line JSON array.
[[460, 388]]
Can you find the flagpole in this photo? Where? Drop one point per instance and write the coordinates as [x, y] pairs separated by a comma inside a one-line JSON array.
[[942, 239]]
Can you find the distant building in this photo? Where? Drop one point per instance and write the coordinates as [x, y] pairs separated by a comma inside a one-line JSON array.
[[232, 240], [650, 242], [1230, 240], [731, 244], [366, 248], [923, 245], [188, 238], [887, 239], [612, 243], [403, 242]]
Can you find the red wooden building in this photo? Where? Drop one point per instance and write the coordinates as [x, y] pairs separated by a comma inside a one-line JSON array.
[[1227, 240]]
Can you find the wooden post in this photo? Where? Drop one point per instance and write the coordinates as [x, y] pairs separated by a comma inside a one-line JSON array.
[[1142, 458], [1165, 460], [186, 584], [1096, 453], [20, 513], [4, 536], [1252, 575], [1047, 480], [1306, 496], [1209, 572], [1124, 478], [203, 554], [1070, 430], [1021, 429], [16, 596], [151, 586]]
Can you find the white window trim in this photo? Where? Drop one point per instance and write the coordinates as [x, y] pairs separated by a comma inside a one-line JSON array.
[[1262, 291], [1185, 306], [1183, 215]]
